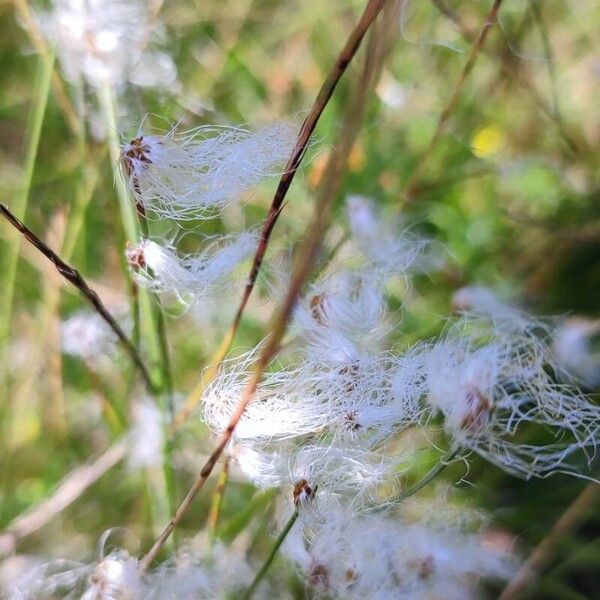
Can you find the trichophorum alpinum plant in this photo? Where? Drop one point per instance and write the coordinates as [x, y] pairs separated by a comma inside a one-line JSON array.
[[339, 415]]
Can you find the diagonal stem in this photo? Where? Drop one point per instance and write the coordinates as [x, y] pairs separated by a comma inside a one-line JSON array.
[[306, 257], [280, 539], [413, 183], [73, 276], [373, 8], [543, 553]]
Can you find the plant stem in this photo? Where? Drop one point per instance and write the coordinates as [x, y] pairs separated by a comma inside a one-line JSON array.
[[544, 551], [414, 181], [21, 199], [306, 257], [345, 57], [74, 277], [217, 501], [428, 478], [280, 539]]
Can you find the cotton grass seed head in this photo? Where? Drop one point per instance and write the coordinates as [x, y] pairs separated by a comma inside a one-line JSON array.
[[192, 277], [104, 41], [194, 174]]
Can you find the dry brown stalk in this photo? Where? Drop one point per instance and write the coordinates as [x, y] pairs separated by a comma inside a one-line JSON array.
[[74, 277], [544, 551], [339, 68], [307, 255]]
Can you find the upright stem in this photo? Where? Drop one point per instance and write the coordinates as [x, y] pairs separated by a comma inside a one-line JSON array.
[[280, 539], [151, 324], [19, 204], [217, 500]]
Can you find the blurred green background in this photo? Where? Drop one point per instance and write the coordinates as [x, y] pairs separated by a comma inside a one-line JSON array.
[[511, 192]]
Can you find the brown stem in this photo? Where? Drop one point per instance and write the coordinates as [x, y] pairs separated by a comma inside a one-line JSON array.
[[306, 131], [544, 551], [306, 256], [413, 183], [518, 77], [339, 68], [73, 276]]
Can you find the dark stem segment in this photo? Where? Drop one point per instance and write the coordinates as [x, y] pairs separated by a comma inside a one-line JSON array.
[[73, 276], [339, 68], [280, 539], [306, 257], [413, 183]]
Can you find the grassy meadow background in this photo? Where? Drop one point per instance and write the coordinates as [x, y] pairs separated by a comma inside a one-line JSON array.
[[511, 192]]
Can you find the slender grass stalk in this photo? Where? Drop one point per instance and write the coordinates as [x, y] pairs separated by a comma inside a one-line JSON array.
[[67, 491], [544, 551], [74, 277], [428, 478], [269, 561], [39, 43], [21, 199], [159, 482], [151, 318], [414, 181], [345, 57], [217, 501], [306, 257]]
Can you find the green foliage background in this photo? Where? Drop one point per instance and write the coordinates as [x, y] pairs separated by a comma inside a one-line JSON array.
[[511, 192]]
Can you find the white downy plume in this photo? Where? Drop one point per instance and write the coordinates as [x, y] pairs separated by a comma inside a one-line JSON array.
[[87, 335], [355, 557], [193, 573], [572, 347], [146, 438], [488, 380], [192, 277], [393, 253], [483, 301], [348, 306], [104, 41], [340, 470], [360, 402], [193, 174], [114, 577]]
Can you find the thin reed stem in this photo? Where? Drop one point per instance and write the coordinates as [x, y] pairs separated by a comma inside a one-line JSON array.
[[41, 47], [340, 66], [217, 500], [520, 79], [306, 257], [544, 551], [151, 319], [414, 181], [278, 542], [21, 199], [73, 276], [428, 478]]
